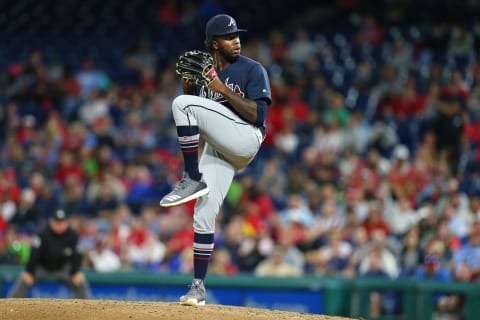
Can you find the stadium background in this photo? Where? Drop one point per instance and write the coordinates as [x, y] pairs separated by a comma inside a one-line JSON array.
[[372, 145]]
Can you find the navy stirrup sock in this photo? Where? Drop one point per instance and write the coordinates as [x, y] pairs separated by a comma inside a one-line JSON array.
[[202, 250], [189, 137]]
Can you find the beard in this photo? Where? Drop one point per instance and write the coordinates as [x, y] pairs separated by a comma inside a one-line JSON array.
[[229, 57]]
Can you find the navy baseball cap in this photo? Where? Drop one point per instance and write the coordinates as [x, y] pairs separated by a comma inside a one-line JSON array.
[[220, 25], [59, 214]]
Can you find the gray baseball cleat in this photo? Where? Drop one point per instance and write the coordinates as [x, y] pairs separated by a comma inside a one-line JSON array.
[[185, 190], [196, 295]]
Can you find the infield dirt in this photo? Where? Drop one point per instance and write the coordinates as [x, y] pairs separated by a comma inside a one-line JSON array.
[[74, 309]]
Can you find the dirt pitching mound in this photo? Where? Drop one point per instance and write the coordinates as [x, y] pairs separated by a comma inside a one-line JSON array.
[[73, 309]]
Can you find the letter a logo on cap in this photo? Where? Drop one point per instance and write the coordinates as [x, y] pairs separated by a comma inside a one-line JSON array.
[[232, 22]]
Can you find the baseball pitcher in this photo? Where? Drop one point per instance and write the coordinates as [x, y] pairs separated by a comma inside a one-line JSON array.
[[225, 101]]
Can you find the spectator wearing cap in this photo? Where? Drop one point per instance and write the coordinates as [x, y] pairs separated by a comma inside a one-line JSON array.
[[54, 254], [404, 178], [433, 269]]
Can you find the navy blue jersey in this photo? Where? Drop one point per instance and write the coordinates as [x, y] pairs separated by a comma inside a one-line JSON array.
[[247, 78]]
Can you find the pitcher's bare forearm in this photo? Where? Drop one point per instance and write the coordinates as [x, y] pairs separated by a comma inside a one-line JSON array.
[[246, 108]]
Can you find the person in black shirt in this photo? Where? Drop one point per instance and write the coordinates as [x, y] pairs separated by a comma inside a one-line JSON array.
[[54, 254]]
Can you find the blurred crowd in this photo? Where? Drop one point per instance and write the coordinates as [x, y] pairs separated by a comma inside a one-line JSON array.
[[371, 165]]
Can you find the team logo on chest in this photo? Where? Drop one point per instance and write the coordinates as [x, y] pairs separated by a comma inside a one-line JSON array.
[[217, 97]]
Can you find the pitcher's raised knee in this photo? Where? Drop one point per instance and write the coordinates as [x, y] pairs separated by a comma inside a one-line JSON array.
[[180, 102]]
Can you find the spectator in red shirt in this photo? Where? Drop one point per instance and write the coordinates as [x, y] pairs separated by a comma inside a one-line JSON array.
[[68, 168], [404, 178], [375, 224], [8, 186]]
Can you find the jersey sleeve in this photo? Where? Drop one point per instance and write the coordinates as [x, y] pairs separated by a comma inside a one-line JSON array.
[[258, 84]]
